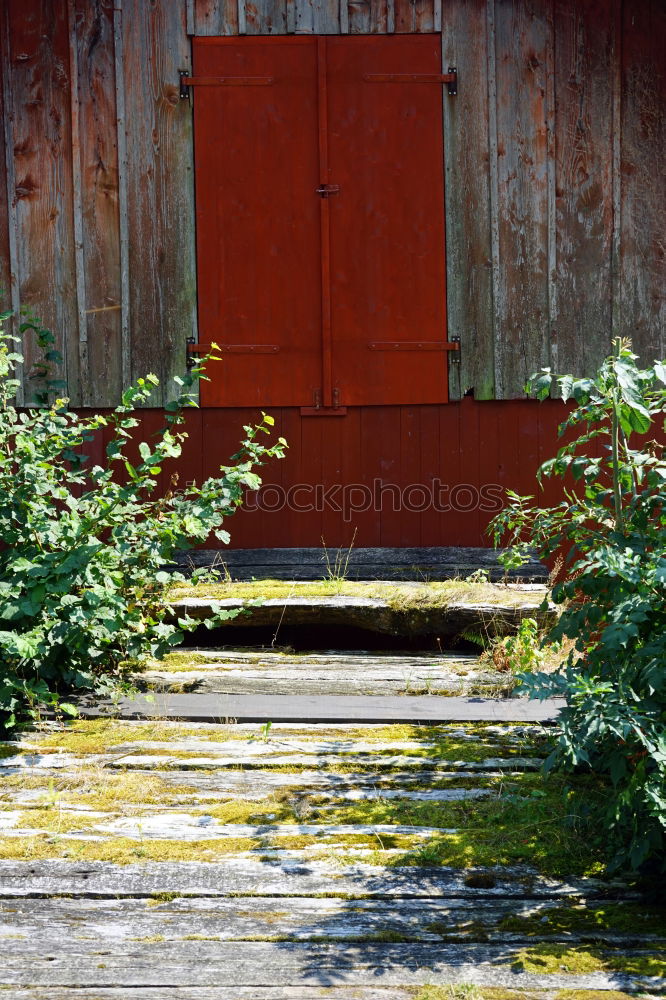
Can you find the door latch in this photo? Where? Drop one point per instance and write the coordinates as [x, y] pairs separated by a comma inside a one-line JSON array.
[[326, 190]]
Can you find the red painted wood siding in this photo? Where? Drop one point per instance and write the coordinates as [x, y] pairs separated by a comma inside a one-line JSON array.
[[382, 470]]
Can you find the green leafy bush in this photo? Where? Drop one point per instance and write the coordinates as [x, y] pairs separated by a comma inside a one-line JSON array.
[[611, 530], [83, 590]]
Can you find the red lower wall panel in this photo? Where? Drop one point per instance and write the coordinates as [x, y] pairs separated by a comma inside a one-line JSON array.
[[383, 476]]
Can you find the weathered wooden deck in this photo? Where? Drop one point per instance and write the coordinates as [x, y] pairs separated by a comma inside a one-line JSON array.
[[297, 861]]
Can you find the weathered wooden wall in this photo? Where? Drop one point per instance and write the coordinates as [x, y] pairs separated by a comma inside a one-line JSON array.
[[555, 190]]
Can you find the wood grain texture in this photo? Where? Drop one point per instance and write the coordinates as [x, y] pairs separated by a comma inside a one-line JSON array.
[[160, 203], [467, 189], [643, 181], [215, 17], [41, 134], [522, 34], [342, 708], [5, 223], [98, 165], [584, 206], [260, 963]]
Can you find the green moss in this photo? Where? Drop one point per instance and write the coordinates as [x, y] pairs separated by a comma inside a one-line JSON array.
[[551, 959], [400, 596], [241, 811], [593, 995], [619, 918], [55, 820], [120, 850], [157, 898], [538, 831]]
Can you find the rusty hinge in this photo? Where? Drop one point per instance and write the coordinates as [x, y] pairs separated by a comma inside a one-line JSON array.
[[455, 347], [187, 81], [450, 78], [194, 348], [411, 345]]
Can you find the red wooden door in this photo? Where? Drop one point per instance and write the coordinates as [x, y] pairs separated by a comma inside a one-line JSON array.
[[258, 240], [320, 219], [387, 224]]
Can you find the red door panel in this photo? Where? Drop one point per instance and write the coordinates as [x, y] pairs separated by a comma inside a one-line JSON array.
[[258, 238], [387, 222], [320, 219]]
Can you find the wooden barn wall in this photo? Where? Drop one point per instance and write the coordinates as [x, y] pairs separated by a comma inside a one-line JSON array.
[[555, 192]]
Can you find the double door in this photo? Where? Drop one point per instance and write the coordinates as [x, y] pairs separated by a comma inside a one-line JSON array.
[[320, 219]]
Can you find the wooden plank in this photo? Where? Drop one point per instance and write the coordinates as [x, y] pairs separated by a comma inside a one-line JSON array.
[[467, 190], [6, 213], [414, 16], [270, 17], [215, 17], [259, 963], [77, 198], [123, 210], [160, 202], [221, 993], [643, 188], [584, 208], [373, 563], [352, 678], [373, 613], [40, 138], [98, 240], [294, 708], [307, 918], [101, 879], [522, 34], [9, 195]]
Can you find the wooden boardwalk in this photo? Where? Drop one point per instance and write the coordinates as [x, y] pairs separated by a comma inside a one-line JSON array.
[[146, 859]]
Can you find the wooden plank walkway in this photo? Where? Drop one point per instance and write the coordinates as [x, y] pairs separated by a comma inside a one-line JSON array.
[[310, 859]]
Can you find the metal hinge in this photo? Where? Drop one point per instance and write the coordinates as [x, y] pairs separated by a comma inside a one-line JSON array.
[[452, 85], [454, 356]]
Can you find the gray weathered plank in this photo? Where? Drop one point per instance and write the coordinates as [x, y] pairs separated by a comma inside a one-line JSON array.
[[375, 614], [220, 993], [40, 140], [378, 675], [468, 244], [7, 213], [100, 225], [263, 963], [522, 34], [216, 17], [100, 879], [268, 17], [160, 201], [643, 187], [387, 563], [305, 918], [584, 204], [294, 708]]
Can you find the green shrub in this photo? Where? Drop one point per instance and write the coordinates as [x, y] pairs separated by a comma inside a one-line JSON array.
[[83, 589], [611, 530]]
